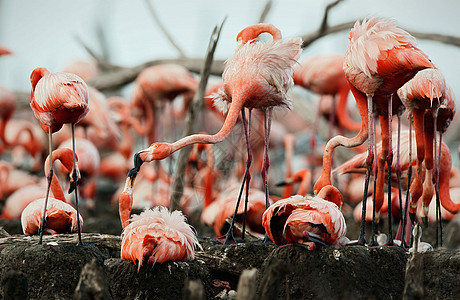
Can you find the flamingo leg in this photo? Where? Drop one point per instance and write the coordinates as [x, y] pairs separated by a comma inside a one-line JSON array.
[[49, 177], [75, 179], [375, 171], [401, 228], [229, 237], [248, 176], [428, 186], [409, 178], [389, 164], [438, 203], [417, 185], [369, 163], [266, 162]]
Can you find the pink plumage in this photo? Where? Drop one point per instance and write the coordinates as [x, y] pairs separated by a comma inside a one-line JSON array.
[[58, 98], [60, 217], [157, 236], [287, 221]]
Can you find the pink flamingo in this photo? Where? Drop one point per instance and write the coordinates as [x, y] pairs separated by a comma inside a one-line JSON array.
[[380, 58], [58, 98], [307, 220], [88, 164], [61, 216], [418, 95], [258, 75], [159, 84], [158, 236]]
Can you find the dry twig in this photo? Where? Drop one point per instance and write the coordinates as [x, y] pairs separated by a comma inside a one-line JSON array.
[[163, 29], [178, 185]]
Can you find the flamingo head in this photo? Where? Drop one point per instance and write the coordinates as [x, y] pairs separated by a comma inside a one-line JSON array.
[[36, 75], [156, 151], [331, 194], [249, 33]]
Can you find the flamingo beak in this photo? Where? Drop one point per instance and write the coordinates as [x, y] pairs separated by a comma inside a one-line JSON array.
[[137, 165], [285, 182]]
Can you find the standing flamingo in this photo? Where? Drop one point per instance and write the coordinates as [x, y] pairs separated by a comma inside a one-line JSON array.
[[380, 58], [160, 84], [58, 98], [422, 97], [307, 220], [61, 216], [258, 75]]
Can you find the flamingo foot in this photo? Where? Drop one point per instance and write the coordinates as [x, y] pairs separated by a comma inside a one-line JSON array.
[[229, 237], [360, 242], [373, 241]]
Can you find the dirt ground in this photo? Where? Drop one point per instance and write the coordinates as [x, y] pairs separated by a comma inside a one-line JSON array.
[[59, 269]]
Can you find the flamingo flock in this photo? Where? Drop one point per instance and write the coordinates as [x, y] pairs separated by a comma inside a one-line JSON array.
[[96, 138]]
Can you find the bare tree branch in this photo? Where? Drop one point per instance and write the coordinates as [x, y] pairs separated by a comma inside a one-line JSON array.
[[445, 39], [309, 38], [119, 76], [122, 76], [178, 185], [267, 7], [102, 63], [102, 39], [163, 29], [324, 25]]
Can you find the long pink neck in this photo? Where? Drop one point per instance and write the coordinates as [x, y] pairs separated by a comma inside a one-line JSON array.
[[325, 178], [343, 117], [224, 132], [305, 185], [444, 178], [65, 156], [252, 32]]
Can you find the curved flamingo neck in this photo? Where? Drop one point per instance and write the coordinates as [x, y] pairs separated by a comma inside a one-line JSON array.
[[65, 156], [325, 178], [224, 132], [305, 185], [444, 178], [332, 194], [36, 75], [253, 31], [343, 117]]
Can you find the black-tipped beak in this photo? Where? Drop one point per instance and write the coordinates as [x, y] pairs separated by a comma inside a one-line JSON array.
[[137, 165], [283, 183], [425, 221], [73, 185]]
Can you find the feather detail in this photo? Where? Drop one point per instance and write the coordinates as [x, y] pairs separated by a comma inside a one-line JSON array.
[[158, 236]]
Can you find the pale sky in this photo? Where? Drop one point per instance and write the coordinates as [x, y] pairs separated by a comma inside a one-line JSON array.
[[42, 32]]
